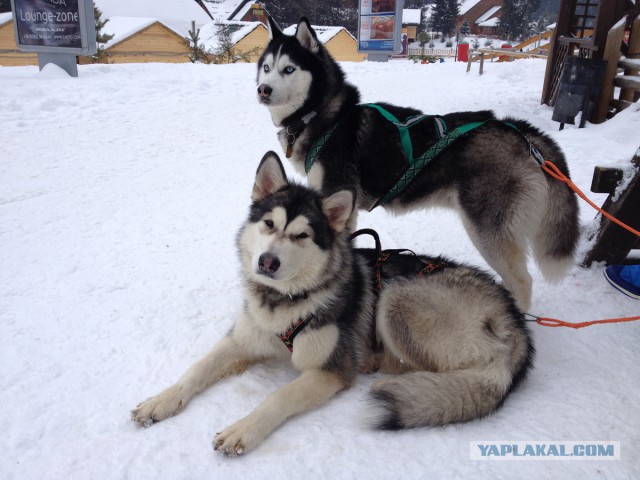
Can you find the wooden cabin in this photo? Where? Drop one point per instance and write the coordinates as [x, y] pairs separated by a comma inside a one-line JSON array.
[[342, 46], [142, 40], [248, 40], [10, 56]]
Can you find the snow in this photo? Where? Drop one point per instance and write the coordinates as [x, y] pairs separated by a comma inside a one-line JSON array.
[[223, 9], [488, 14], [411, 16], [466, 5], [178, 14], [6, 17], [123, 27], [121, 192], [209, 33], [323, 33]]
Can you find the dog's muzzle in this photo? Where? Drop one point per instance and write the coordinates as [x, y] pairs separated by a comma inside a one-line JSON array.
[[264, 93], [268, 264]]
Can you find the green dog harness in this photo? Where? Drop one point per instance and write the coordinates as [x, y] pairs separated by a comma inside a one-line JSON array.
[[445, 139]]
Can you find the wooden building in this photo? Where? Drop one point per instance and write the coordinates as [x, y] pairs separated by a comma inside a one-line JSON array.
[[481, 15], [247, 40], [10, 56], [337, 40], [142, 40]]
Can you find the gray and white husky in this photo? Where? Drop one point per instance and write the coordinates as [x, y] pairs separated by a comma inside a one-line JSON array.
[[454, 338], [488, 175]]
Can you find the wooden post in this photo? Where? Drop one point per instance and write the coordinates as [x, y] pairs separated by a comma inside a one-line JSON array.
[[613, 242], [481, 62], [612, 56], [633, 52]]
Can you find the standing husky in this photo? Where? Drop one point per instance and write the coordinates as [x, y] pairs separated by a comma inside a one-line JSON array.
[[455, 336], [488, 175]]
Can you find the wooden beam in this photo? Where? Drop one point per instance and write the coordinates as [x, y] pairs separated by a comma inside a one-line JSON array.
[[612, 55]]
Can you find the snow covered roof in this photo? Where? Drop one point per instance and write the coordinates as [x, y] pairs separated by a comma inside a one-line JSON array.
[[225, 9], [487, 15], [467, 5], [239, 30], [411, 15], [324, 33], [124, 27], [492, 22], [177, 14], [5, 17]]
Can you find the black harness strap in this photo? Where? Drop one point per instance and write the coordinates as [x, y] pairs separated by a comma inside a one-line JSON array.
[[291, 333]]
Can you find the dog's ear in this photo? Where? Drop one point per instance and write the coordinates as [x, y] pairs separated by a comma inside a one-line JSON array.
[[270, 177], [307, 36], [274, 30], [338, 209]]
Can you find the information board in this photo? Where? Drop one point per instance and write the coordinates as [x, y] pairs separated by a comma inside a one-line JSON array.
[[61, 26], [379, 26]]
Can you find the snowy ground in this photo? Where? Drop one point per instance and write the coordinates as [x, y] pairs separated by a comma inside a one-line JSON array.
[[121, 192]]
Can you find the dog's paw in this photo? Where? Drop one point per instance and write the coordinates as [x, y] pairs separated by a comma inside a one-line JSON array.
[[238, 439], [165, 405]]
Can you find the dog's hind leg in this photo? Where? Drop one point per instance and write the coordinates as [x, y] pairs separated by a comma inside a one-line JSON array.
[[508, 257], [465, 341], [226, 358]]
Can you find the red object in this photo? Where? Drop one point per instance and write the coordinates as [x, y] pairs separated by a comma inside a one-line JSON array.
[[463, 52]]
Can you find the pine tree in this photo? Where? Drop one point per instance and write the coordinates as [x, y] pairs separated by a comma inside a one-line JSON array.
[[516, 16], [445, 16], [101, 38], [197, 52], [464, 28]]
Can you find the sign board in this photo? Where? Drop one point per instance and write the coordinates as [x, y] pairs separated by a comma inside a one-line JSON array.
[[55, 26], [379, 26]]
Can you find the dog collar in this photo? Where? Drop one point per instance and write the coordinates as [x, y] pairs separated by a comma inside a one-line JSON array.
[[293, 131], [295, 328]]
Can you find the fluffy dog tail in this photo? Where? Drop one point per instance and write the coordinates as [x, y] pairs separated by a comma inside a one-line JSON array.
[[555, 240], [422, 398]]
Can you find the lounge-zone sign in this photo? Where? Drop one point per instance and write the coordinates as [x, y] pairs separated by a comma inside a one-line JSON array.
[[56, 26]]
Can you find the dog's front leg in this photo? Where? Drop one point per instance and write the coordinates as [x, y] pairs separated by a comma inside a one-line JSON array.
[[226, 358], [310, 390]]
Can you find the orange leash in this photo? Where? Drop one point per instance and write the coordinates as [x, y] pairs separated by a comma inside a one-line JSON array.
[[555, 172], [554, 322]]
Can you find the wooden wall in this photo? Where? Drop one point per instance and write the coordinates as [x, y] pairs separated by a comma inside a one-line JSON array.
[[344, 48], [156, 43], [9, 54], [255, 42]]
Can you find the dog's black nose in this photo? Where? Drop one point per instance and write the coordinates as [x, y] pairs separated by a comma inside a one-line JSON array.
[[268, 263], [264, 91]]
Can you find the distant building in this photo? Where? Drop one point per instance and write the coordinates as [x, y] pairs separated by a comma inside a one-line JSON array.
[[483, 16], [337, 40], [142, 40], [10, 56], [410, 23], [247, 38]]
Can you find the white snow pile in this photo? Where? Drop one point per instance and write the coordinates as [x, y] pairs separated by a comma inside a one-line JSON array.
[[121, 192]]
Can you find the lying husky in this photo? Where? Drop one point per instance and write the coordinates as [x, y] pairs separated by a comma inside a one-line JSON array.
[[455, 337], [488, 174]]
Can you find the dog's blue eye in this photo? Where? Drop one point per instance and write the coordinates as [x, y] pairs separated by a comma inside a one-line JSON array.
[[269, 223], [266, 69], [289, 70]]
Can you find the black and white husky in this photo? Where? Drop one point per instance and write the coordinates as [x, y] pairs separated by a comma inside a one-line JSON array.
[[488, 175], [454, 338]]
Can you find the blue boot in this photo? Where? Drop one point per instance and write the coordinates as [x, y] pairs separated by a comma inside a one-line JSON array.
[[625, 278]]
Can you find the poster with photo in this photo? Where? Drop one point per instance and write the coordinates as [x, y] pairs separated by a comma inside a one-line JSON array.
[[379, 26]]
